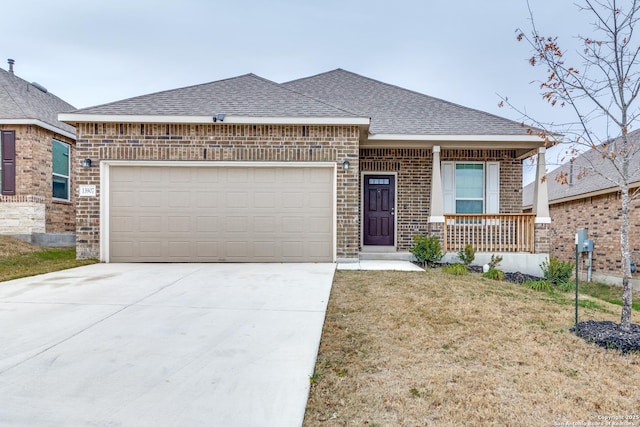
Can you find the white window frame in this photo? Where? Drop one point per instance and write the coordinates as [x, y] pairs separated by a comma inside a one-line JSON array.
[[490, 196], [456, 198], [67, 177]]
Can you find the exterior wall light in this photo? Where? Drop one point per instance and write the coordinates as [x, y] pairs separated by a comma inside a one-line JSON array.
[[346, 164], [86, 163]]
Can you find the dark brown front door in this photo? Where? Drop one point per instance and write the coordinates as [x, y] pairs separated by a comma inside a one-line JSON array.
[[379, 210]]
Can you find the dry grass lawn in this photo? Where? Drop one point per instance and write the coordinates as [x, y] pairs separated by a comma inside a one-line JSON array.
[[431, 349], [11, 247]]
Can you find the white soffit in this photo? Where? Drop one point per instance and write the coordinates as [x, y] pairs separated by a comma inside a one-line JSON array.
[[456, 138]]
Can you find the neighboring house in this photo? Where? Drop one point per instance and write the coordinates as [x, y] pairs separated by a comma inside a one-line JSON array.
[[328, 168], [37, 203], [589, 200]]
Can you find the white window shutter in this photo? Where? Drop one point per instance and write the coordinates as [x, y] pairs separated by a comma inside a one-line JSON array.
[[493, 188], [449, 186]]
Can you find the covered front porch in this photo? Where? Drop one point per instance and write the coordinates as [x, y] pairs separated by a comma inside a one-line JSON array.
[[433, 208]]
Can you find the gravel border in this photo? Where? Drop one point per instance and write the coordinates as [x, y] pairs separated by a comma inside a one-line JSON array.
[[608, 335]]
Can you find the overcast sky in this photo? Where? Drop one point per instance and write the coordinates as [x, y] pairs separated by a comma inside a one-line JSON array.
[[89, 53]]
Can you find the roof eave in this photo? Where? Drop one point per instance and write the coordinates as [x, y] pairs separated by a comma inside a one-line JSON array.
[[228, 119], [586, 195], [532, 139], [526, 145], [41, 124]]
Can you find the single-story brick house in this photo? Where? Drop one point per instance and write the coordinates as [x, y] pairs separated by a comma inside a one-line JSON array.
[[37, 203], [589, 200], [327, 168]]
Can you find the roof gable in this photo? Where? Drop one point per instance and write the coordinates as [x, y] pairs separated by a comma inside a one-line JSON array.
[[585, 180], [245, 96], [395, 110], [21, 100]]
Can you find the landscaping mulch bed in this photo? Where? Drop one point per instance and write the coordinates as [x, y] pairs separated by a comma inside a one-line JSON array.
[[609, 335], [517, 277]]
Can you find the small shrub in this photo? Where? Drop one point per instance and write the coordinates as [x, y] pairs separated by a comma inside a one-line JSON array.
[[494, 274], [455, 269], [495, 262], [426, 249], [557, 272], [538, 285], [467, 255]]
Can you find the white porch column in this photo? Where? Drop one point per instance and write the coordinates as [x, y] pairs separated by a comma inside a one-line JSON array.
[[540, 194], [436, 210]]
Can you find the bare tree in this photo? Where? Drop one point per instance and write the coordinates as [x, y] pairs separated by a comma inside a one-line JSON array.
[[601, 87]]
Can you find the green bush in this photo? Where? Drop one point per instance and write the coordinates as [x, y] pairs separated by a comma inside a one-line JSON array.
[[494, 274], [426, 249], [538, 285], [495, 261], [557, 272], [456, 269], [467, 255]]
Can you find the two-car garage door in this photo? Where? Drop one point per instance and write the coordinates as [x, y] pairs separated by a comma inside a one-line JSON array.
[[220, 213]]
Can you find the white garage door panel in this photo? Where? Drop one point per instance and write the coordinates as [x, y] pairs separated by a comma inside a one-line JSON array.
[[220, 214]]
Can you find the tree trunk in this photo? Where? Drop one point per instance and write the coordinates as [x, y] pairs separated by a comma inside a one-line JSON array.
[[627, 296]]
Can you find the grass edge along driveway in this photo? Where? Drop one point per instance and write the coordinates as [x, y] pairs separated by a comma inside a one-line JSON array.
[[20, 259]]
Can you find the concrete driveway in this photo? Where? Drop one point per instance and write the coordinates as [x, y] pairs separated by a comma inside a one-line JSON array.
[[161, 344]]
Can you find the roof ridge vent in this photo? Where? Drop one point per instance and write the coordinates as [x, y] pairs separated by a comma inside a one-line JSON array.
[[39, 87]]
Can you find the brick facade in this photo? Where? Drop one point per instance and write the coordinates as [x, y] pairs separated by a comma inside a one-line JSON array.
[[413, 168], [510, 173], [218, 142], [34, 177], [601, 215], [542, 239], [228, 142], [413, 183]]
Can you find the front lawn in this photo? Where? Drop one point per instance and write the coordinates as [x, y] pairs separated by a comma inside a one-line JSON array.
[[19, 259], [432, 349]]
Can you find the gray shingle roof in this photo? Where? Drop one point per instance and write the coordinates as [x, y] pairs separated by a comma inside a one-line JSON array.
[[394, 110], [591, 181], [21, 100], [247, 95]]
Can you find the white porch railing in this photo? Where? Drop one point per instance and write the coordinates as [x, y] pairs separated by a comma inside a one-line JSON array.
[[490, 232]]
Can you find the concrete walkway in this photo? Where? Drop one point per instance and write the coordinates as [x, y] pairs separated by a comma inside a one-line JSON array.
[[161, 344], [380, 265]]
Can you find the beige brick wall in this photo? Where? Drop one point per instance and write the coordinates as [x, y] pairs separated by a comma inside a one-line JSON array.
[[34, 174], [413, 167], [542, 238], [217, 142], [601, 215]]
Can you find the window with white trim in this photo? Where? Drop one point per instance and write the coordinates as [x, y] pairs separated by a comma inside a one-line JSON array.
[[471, 187], [61, 166]]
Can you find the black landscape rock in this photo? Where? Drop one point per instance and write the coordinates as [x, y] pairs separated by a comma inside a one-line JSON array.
[[609, 335]]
